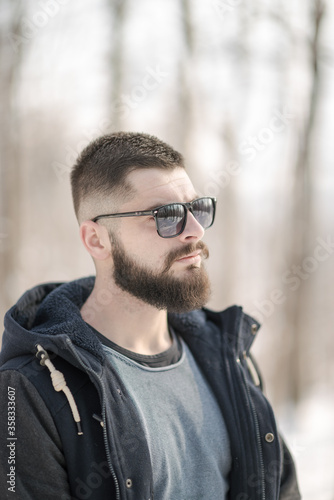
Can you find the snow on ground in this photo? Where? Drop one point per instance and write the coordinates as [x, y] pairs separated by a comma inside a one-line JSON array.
[[310, 436]]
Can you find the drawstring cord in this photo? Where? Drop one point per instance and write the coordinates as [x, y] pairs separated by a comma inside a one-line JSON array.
[[59, 384]]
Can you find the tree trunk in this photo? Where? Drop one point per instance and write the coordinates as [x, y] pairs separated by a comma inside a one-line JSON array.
[[118, 13], [301, 242], [10, 175]]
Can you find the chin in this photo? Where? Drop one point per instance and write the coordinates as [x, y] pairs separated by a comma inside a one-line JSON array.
[[180, 273]]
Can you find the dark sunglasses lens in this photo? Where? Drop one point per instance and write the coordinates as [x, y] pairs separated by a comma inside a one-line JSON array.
[[203, 211], [170, 219]]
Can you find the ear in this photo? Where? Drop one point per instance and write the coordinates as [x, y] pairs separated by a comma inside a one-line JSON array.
[[96, 239]]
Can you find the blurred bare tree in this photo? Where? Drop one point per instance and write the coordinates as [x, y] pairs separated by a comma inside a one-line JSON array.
[[300, 223], [11, 54], [117, 11], [187, 79]]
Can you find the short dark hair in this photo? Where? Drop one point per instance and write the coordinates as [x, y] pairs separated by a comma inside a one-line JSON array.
[[102, 167]]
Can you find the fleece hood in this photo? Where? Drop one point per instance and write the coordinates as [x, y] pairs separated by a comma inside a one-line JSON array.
[[49, 314]]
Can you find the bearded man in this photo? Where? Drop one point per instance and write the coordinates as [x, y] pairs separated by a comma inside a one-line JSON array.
[[124, 386]]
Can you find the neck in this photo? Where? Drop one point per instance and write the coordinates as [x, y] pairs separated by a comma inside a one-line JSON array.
[[126, 320]]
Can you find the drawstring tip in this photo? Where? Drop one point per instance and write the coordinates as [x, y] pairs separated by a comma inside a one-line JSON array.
[[80, 433]]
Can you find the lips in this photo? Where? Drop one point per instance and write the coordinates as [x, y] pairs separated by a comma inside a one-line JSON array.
[[190, 256]]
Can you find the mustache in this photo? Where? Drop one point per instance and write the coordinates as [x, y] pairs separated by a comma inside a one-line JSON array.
[[184, 251]]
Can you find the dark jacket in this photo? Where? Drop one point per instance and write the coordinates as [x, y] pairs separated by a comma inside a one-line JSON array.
[[110, 460]]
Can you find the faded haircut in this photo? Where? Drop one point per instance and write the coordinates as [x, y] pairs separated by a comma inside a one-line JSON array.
[[103, 166]]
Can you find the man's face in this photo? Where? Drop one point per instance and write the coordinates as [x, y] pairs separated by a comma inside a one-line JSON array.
[[165, 273]]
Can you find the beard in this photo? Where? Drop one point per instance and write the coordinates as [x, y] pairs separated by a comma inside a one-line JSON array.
[[161, 289]]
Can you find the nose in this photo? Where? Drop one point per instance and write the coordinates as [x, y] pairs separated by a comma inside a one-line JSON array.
[[193, 230]]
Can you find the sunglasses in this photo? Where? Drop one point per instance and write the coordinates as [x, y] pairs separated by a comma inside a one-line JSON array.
[[171, 219]]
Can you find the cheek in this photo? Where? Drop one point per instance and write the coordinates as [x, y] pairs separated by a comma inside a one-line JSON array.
[[151, 255], [146, 250], [137, 231], [142, 243]]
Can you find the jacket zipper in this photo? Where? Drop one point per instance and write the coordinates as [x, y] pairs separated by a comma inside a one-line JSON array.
[[258, 435], [105, 437]]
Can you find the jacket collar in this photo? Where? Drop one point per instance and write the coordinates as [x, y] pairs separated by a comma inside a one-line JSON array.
[[51, 313]]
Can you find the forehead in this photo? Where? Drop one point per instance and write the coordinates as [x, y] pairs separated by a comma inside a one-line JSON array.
[[154, 186]]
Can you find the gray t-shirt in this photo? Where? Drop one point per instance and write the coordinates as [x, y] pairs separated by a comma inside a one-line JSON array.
[[187, 438]]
